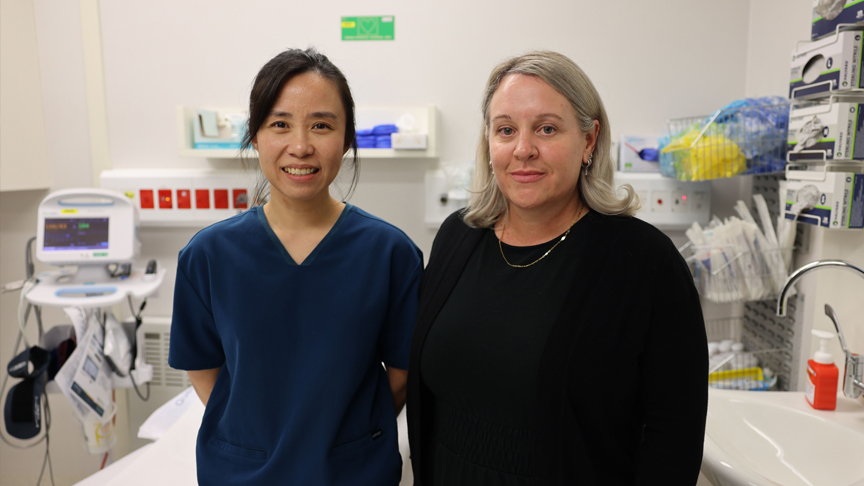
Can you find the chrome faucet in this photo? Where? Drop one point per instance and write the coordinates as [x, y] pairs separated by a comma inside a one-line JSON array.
[[853, 378]]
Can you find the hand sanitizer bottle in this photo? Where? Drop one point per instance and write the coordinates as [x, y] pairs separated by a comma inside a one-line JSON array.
[[822, 373]]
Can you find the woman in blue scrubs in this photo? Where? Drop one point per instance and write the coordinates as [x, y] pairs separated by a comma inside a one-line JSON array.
[[284, 314]]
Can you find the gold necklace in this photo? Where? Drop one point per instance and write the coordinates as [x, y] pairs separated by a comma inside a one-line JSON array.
[[503, 227]]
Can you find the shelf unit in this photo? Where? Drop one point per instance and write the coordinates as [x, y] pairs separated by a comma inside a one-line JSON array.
[[366, 116]]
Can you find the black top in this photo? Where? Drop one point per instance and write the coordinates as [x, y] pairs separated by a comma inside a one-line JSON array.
[[480, 361], [605, 408]]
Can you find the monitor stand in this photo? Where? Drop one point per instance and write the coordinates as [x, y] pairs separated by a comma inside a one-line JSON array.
[[92, 274], [92, 286]]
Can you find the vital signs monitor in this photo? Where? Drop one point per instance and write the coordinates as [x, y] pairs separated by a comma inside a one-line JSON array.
[[87, 226]]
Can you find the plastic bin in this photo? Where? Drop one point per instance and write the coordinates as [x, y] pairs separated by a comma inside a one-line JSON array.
[[741, 367]]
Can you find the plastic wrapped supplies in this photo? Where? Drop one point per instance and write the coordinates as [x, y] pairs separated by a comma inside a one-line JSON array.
[[829, 9], [747, 136], [736, 261], [698, 156]]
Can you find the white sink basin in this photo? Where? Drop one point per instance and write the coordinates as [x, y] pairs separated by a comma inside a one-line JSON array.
[[776, 438]]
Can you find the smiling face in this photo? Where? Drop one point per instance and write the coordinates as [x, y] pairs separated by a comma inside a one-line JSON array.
[[535, 144], [301, 143]]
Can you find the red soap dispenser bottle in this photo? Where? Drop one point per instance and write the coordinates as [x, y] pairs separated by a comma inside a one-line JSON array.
[[822, 374]]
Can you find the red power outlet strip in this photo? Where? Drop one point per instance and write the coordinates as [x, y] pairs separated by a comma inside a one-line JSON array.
[[165, 201], [241, 199], [184, 199], [202, 198], [146, 198], [220, 198]]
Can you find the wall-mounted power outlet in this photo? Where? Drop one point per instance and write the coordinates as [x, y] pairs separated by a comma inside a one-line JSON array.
[[182, 197], [669, 204]]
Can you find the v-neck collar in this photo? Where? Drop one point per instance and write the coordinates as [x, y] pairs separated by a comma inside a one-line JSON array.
[[318, 248]]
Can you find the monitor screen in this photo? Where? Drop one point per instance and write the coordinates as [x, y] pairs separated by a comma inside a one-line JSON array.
[[76, 234]]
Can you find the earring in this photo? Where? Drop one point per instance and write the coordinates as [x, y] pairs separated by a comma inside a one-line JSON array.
[[588, 164], [492, 170]]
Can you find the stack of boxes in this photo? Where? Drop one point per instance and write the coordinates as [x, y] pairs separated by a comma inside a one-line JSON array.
[[826, 123]]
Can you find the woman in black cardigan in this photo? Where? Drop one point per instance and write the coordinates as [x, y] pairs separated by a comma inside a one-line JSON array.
[[559, 340]]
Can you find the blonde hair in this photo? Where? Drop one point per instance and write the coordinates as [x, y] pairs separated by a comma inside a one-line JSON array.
[[596, 186]]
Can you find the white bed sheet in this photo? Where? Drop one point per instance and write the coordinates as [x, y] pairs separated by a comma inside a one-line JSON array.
[[171, 459]]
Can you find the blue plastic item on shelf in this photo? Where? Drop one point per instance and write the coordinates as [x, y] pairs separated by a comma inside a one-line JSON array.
[[384, 129], [364, 132], [367, 141], [383, 141]]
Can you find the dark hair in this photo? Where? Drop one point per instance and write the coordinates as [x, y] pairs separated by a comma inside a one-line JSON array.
[[266, 89]]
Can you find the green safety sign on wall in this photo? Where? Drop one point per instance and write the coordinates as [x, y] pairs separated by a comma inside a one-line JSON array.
[[367, 28]]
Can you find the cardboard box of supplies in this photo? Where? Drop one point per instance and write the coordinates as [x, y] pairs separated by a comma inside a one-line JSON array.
[[828, 14], [826, 131], [638, 154], [214, 130], [827, 66], [409, 141], [840, 203]]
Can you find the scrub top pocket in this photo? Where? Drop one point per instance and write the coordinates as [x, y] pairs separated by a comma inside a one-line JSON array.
[[232, 451], [347, 447]]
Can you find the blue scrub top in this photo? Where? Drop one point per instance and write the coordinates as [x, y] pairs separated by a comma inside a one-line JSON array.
[[301, 397]]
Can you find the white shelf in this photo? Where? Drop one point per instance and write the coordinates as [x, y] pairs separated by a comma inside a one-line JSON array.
[[367, 117], [216, 153]]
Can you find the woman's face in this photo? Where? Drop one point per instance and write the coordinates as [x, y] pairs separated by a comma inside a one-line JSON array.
[[301, 142], [535, 144]]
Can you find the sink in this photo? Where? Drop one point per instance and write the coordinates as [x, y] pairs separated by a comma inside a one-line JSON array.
[[775, 438]]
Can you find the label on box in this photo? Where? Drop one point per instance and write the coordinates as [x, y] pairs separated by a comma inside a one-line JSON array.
[[831, 65]]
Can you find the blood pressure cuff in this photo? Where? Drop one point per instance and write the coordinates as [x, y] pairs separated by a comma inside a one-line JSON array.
[[23, 410]]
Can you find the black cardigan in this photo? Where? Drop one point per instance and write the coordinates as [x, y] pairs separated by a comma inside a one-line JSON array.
[[623, 381]]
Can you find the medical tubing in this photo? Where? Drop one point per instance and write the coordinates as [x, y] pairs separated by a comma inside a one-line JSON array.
[[22, 316], [135, 386], [37, 311], [29, 268], [6, 379], [47, 459], [3, 394], [135, 346], [46, 407]]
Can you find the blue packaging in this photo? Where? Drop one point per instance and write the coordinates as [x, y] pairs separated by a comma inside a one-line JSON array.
[[364, 132], [383, 142], [366, 142], [384, 129]]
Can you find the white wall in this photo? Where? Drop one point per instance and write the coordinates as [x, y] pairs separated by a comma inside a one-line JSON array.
[[775, 28], [650, 61]]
